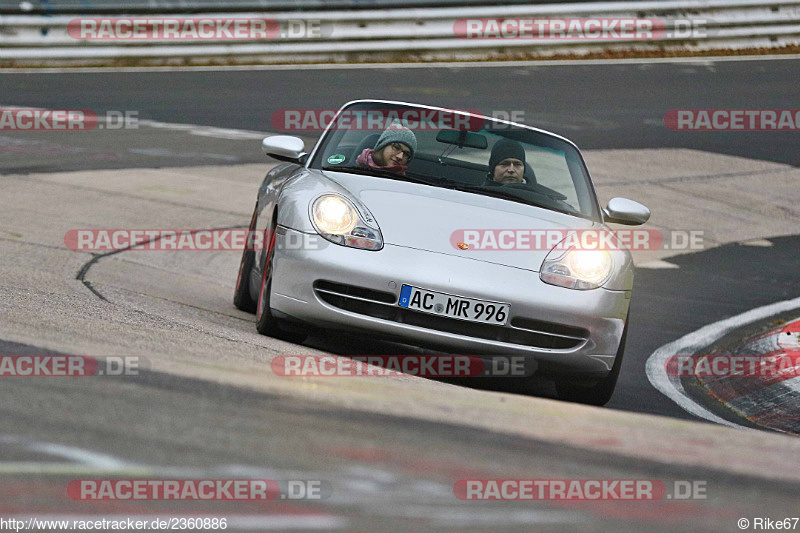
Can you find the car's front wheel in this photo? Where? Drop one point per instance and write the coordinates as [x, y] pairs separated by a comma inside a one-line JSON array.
[[266, 323], [600, 391]]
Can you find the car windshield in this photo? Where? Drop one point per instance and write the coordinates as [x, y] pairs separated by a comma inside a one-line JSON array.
[[455, 150]]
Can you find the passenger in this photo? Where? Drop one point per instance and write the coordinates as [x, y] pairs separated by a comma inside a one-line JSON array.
[[507, 163], [394, 149]]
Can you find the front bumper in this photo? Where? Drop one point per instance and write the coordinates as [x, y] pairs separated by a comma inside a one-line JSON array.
[[600, 312]]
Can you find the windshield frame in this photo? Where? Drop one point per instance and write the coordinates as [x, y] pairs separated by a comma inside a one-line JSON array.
[[594, 204]]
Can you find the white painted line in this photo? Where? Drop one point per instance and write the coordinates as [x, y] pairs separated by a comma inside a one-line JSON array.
[[152, 471], [659, 264], [671, 386], [207, 131], [191, 129], [757, 242], [73, 453], [79, 455], [57, 469], [706, 60]]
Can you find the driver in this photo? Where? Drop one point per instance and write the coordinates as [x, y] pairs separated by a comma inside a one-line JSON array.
[[507, 163], [393, 151]]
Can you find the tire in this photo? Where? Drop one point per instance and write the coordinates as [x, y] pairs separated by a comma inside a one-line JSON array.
[[597, 392], [266, 323], [241, 295]]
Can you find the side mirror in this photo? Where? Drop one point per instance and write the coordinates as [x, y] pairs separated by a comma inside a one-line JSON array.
[[285, 148], [624, 211]]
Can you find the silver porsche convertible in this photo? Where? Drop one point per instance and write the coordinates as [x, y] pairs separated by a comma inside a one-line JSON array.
[[447, 229]]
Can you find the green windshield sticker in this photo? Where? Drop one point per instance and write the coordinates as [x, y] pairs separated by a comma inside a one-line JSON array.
[[335, 159]]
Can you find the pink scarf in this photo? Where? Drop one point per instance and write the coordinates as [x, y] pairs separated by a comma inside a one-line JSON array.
[[365, 160]]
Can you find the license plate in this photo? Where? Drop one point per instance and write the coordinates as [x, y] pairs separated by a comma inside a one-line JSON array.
[[439, 303]]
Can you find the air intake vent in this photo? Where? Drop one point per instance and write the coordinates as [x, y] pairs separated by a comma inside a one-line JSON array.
[[383, 305]]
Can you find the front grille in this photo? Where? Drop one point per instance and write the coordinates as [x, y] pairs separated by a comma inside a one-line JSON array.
[[382, 305]]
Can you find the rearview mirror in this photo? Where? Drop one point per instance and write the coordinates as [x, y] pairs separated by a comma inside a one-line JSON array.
[[285, 148], [624, 211], [462, 139]]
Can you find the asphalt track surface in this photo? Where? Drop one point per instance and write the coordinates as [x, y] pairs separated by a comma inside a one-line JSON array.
[[387, 473], [709, 286], [391, 472], [596, 106]]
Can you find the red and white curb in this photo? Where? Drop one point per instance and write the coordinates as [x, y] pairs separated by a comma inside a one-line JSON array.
[[770, 399], [754, 401]]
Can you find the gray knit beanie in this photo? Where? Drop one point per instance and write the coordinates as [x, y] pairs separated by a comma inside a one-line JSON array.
[[397, 133]]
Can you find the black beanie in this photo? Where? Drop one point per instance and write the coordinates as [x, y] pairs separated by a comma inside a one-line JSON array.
[[503, 149]]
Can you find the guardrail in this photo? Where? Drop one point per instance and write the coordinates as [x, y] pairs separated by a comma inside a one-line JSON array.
[[54, 7], [403, 34]]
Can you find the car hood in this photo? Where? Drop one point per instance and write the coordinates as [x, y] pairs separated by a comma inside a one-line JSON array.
[[434, 218]]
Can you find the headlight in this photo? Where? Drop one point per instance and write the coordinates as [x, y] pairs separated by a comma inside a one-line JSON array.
[[336, 219], [577, 269], [333, 214]]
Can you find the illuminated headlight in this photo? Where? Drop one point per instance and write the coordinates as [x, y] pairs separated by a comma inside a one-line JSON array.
[[336, 219], [334, 215], [577, 269]]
